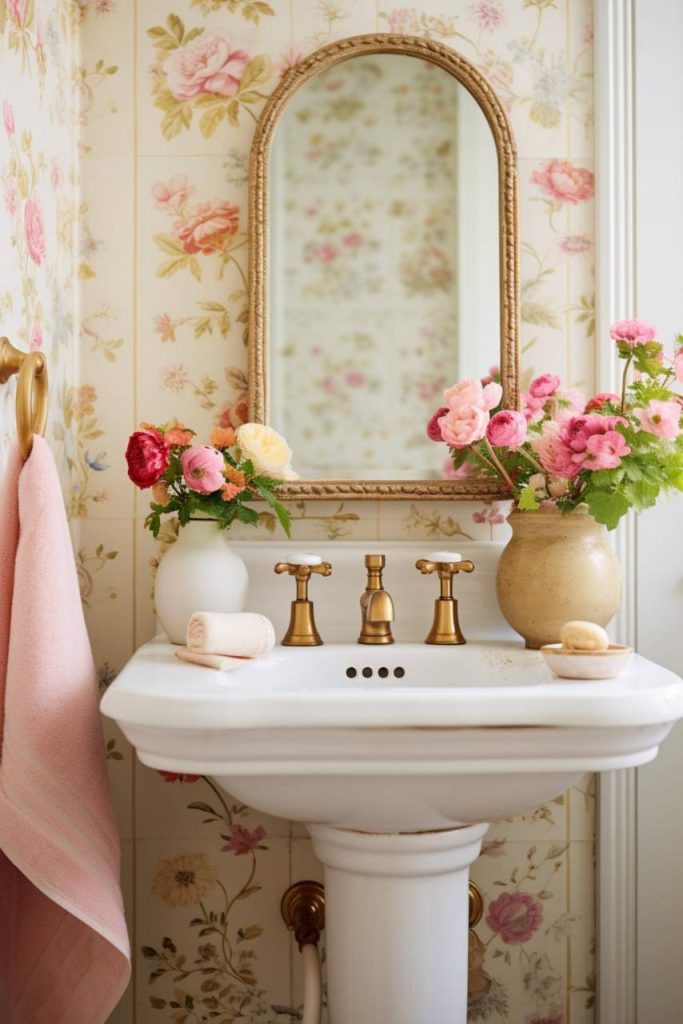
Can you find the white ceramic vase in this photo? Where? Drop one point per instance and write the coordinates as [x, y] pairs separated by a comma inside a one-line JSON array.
[[200, 572]]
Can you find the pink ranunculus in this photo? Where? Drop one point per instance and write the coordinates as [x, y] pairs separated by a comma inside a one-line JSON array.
[[433, 427], [208, 227], [507, 429], [34, 230], [678, 365], [207, 64], [36, 341], [544, 386], [663, 419], [597, 402], [203, 468], [242, 840], [464, 426], [515, 916], [632, 332], [8, 117], [172, 194], [147, 456], [565, 183], [605, 451], [553, 454]]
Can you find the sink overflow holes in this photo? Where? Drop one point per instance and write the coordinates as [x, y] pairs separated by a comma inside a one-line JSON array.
[[382, 672]]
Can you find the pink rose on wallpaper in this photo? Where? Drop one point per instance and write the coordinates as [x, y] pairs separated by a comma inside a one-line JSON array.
[[205, 65], [489, 14], [36, 340], [17, 10], [403, 20], [661, 419], [565, 183], [464, 426], [8, 117], [11, 194], [208, 227], [203, 468], [353, 240], [576, 245], [173, 194], [243, 841], [355, 378], [235, 413], [34, 230], [515, 916], [325, 253]]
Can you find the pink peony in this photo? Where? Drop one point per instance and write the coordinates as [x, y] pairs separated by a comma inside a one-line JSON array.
[[36, 341], [678, 365], [507, 429], [8, 116], [515, 916], [565, 183], [471, 391], [205, 65], [464, 426], [597, 402], [544, 386], [433, 428], [34, 230], [554, 455], [661, 419], [203, 468], [172, 194], [605, 451], [242, 840], [147, 456], [208, 228], [632, 332]]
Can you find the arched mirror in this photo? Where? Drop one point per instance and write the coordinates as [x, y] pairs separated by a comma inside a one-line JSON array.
[[384, 262]]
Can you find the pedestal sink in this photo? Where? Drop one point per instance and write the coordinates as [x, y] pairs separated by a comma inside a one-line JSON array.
[[395, 758]]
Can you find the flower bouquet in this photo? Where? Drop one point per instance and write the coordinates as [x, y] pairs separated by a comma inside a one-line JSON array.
[[608, 454], [210, 481]]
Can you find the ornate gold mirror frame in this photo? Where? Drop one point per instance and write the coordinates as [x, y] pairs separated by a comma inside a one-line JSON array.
[[497, 118]]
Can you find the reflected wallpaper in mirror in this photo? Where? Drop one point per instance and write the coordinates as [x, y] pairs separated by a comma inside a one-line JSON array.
[[384, 243]]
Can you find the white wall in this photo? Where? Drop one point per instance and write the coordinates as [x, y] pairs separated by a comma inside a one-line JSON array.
[[659, 588]]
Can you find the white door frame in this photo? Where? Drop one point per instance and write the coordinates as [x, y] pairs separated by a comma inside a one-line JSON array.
[[616, 298]]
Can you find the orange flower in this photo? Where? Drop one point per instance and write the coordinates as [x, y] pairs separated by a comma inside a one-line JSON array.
[[160, 493], [222, 437], [236, 476], [230, 491], [179, 436]]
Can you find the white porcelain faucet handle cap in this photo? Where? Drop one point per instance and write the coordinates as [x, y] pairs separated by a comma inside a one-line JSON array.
[[444, 556], [304, 558]]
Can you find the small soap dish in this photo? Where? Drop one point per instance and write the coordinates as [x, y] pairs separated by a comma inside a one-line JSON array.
[[568, 664]]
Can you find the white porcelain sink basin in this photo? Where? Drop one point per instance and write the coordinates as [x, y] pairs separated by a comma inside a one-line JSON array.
[[395, 758], [434, 738]]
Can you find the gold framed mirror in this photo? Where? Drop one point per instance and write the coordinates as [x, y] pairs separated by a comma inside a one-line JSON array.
[[316, 369]]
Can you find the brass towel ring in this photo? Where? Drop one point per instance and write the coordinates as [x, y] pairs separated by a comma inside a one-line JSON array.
[[32, 389]]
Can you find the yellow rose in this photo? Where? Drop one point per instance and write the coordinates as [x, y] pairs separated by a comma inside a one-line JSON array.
[[267, 449]]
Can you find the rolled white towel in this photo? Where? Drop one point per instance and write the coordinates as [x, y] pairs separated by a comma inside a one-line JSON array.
[[238, 635]]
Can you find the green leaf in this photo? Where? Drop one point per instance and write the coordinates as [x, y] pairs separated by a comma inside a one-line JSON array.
[[527, 500], [280, 511], [607, 507]]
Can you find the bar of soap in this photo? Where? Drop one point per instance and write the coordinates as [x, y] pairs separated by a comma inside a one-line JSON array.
[[583, 636]]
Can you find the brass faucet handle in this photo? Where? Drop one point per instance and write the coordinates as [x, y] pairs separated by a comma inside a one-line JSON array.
[[302, 566], [445, 563], [302, 631]]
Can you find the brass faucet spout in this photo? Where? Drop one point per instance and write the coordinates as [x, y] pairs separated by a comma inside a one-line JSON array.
[[377, 607]]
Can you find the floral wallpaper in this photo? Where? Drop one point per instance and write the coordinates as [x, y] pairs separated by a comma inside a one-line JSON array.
[[39, 205], [168, 92]]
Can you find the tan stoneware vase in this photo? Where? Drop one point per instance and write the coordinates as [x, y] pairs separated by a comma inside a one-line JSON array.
[[556, 568]]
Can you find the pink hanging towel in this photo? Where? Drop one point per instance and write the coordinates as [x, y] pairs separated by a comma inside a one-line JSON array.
[[64, 951]]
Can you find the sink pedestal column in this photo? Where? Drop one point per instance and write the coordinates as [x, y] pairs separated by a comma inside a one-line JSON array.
[[396, 910]]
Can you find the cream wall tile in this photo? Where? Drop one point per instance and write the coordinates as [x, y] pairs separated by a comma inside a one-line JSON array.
[[108, 83], [316, 24], [582, 926]]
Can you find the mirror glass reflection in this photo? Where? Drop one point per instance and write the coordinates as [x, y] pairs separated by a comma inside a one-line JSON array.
[[384, 264]]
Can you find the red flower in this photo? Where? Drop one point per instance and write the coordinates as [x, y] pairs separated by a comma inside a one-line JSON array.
[[596, 403], [147, 456], [515, 916], [433, 428], [242, 840], [177, 777]]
